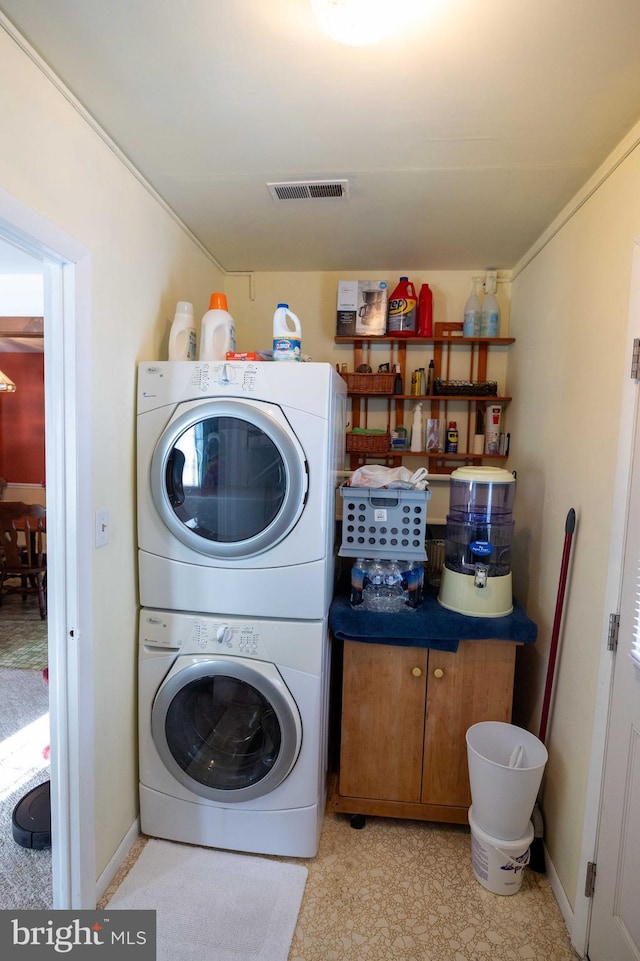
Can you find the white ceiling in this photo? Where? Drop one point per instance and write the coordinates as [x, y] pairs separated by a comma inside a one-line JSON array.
[[461, 138]]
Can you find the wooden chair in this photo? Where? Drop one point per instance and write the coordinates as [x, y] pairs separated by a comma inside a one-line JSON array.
[[23, 567]]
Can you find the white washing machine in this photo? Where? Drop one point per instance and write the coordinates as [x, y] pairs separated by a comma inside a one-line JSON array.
[[237, 472], [233, 722]]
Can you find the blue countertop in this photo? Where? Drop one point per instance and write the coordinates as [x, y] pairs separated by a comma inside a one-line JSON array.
[[431, 625]]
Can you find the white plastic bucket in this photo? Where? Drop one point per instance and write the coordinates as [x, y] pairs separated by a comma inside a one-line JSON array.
[[499, 865], [503, 796]]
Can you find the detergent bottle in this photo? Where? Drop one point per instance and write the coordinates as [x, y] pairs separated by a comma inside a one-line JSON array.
[[182, 337], [403, 305], [218, 330], [425, 311], [287, 332]]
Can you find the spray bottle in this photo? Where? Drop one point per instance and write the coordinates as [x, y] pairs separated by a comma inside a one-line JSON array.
[[473, 311], [182, 338], [218, 330], [416, 429], [490, 317]]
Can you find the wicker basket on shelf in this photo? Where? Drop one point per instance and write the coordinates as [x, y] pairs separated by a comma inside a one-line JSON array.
[[369, 383], [367, 443], [465, 388]]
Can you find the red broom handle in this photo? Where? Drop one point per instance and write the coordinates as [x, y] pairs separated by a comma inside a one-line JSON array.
[[569, 528]]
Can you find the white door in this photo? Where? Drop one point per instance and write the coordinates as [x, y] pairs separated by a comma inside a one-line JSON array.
[[615, 920]]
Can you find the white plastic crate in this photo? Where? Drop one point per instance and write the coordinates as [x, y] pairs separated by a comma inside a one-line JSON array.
[[384, 523]]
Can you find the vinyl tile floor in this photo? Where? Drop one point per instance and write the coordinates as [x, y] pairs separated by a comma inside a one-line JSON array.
[[402, 890]]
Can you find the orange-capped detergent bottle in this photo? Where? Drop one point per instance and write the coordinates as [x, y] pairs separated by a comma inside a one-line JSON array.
[[403, 304]]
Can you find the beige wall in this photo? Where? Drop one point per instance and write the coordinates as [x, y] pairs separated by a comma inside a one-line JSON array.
[[569, 314], [142, 263]]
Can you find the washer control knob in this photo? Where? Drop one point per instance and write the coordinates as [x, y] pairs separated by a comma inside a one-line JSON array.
[[223, 634]]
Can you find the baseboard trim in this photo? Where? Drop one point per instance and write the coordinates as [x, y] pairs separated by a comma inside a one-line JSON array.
[[118, 859], [558, 892]]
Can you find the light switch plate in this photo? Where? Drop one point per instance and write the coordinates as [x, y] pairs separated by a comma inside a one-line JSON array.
[[102, 528]]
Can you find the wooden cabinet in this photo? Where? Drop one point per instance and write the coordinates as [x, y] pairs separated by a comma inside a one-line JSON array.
[[442, 406], [405, 712]]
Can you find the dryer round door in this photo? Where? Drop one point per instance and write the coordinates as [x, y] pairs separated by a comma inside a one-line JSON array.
[[228, 478], [227, 728]]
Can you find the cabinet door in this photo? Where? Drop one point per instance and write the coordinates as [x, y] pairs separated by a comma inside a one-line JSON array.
[[383, 699], [474, 684]]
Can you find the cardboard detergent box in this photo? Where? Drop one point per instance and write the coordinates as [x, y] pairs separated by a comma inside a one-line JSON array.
[[362, 308]]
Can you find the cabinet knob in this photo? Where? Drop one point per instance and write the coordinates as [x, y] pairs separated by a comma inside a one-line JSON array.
[[417, 672], [438, 672]]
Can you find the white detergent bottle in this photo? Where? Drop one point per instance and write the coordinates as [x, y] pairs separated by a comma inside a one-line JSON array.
[[182, 337], [287, 332], [218, 330], [490, 317], [416, 429]]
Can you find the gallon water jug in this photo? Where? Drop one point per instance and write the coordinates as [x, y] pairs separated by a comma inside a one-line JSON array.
[[287, 332], [218, 330], [182, 338]]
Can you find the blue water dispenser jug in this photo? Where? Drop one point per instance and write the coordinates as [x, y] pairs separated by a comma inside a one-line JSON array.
[[476, 578]]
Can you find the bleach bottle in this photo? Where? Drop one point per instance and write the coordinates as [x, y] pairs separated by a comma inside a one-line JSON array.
[[218, 330], [286, 334], [182, 338]]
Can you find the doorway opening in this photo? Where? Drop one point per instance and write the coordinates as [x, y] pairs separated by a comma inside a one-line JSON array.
[[65, 267]]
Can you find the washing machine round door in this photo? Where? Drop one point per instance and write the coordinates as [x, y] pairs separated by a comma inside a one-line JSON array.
[[228, 729], [229, 478]]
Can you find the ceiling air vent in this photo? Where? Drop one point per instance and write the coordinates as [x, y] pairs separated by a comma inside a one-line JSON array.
[[310, 190]]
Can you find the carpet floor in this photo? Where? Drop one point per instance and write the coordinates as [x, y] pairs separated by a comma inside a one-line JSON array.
[[23, 634], [25, 874]]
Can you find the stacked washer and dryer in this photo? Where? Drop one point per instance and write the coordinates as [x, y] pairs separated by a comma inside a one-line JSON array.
[[237, 471]]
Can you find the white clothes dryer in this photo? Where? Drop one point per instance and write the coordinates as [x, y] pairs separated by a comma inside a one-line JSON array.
[[233, 722], [237, 472]]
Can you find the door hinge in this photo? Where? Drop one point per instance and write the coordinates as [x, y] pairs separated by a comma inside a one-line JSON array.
[[590, 880], [612, 636], [635, 360]]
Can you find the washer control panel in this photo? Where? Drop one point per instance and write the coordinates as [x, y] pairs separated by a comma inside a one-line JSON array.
[[200, 635]]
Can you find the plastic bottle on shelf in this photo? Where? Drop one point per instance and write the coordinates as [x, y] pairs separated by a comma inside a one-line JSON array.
[[490, 315], [287, 332], [425, 311], [431, 376], [218, 330], [473, 311], [182, 337], [451, 446], [397, 380], [403, 305], [416, 429]]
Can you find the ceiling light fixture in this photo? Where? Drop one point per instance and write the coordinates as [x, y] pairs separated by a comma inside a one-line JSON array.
[[6, 384], [360, 22]]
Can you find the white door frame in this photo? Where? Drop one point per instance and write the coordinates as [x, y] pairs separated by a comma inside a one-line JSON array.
[[67, 291], [628, 414]]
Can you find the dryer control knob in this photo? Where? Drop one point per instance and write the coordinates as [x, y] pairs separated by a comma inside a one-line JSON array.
[[224, 634]]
